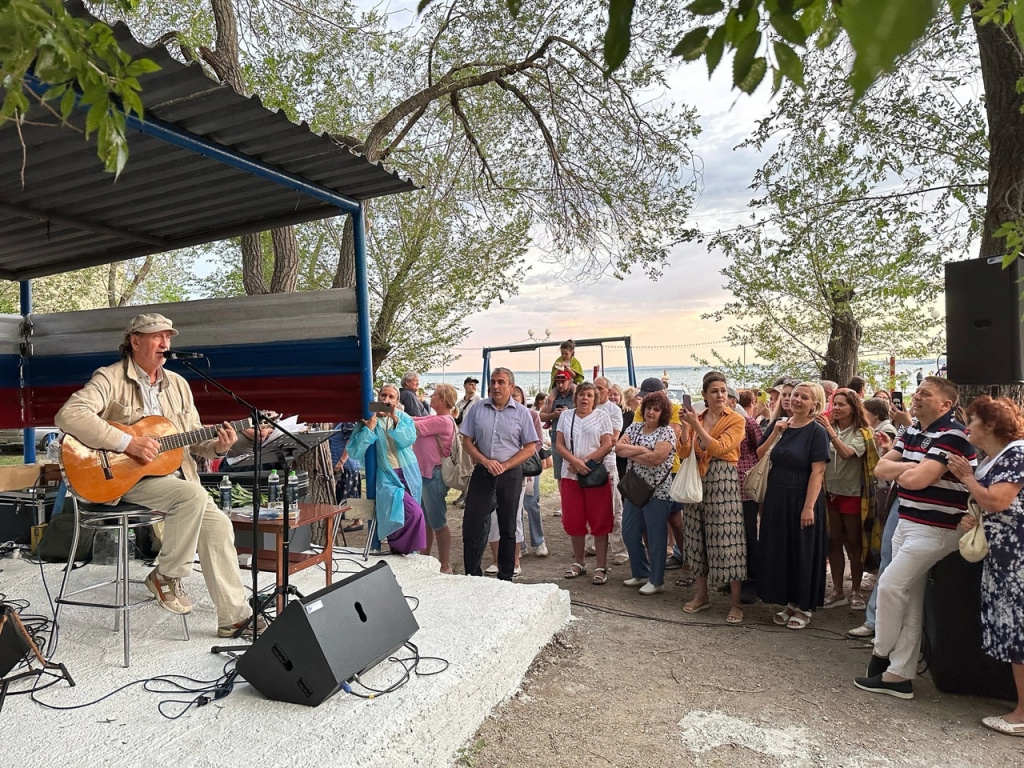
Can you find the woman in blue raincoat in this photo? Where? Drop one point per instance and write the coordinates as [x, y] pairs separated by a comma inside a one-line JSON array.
[[399, 485]]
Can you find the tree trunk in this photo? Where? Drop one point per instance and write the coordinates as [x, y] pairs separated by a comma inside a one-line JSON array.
[[969, 392], [843, 337], [1002, 62], [252, 266], [345, 277], [286, 260]]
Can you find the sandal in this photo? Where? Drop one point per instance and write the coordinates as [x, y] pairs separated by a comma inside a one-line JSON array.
[[694, 607], [685, 581], [836, 601], [732, 617], [574, 570], [600, 575], [799, 620], [857, 602], [782, 617]]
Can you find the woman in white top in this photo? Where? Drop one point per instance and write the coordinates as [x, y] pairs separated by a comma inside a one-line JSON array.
[[584, 441]]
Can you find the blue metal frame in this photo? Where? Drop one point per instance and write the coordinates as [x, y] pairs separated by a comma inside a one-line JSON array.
[[28, 434], [363, 331]]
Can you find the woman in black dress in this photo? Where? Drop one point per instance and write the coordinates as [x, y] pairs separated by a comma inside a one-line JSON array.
[[793, 542]]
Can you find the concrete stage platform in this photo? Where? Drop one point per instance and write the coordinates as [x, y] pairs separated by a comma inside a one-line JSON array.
[[489, 631]]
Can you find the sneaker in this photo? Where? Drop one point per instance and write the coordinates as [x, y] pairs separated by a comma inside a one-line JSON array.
[[518, 571], [904, 689], [876, 666], [864, 631], [634, 582], [492, 569], [461, 501], [620, 560], [542, 550], [590, 550], [650, 589], [671, 564], [230, 629], [557, 513], [169, 593]]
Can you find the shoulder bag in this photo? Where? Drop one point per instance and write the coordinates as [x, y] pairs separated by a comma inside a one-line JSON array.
[[598, 474], [687, 487], [756, 481], [452, 465], [973, 544], [637, 490]]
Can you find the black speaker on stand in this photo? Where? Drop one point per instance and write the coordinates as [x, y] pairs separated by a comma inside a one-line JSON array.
[[323, 640], [984, 343]]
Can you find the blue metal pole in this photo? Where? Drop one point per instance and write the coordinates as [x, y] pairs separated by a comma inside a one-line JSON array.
[[365, 342], [177, 137], [28, 433], [630, 368]]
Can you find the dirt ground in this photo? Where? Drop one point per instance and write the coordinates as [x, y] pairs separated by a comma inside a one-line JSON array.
[[634, 681]]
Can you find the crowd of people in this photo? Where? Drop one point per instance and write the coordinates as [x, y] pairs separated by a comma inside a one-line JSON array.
[[853, 485]]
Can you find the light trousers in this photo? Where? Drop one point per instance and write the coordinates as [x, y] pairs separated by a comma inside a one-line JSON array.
[[915, 549], [192, 522]]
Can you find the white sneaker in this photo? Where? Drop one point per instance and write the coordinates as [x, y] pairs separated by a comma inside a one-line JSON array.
[[517, 571], [620, 559], [492, 569], [557, 513], [650, 589], [863, 631], [591, 550], [542, 550], [634, 582]]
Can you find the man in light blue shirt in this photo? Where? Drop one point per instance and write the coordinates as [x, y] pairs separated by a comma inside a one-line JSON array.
[[499, 435]]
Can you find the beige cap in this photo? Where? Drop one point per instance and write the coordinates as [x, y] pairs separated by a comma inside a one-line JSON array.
[[153, 323]]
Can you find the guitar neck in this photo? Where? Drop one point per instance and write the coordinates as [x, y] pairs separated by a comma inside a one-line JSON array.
[[181, 439]]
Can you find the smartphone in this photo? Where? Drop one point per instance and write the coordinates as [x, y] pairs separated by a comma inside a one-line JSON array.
[[687, 402], [897, 400], [376, 407]]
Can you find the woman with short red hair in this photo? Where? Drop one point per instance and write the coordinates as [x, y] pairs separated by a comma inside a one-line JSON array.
[[996, 426]]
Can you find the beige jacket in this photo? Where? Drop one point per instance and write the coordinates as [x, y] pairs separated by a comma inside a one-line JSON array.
[[113, 394]]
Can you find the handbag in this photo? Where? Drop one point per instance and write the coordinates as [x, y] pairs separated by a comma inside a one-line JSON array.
[[532, 467], [598, 474], [687, 487], [453, 471], [635, 489], [755, 483], [973, 544]]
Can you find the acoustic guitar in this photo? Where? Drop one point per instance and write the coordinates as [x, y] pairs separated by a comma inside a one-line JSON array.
[[101, 476]]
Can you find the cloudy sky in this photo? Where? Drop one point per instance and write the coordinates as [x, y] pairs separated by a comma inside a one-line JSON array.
[[666, 312]]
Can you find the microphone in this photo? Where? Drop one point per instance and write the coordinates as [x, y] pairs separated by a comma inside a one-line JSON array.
[[172, 355]]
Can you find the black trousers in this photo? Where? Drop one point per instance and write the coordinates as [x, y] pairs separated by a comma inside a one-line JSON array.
[[484, 491]]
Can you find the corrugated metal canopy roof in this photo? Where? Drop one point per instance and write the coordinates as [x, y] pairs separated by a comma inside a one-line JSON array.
[[70, 214]]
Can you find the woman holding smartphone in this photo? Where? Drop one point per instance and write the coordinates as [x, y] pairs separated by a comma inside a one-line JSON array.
[[584, 441]]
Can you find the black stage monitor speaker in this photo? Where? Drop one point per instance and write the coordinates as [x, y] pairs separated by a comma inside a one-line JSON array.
[[952, 633], [15, 645], [983, 322], [323, 640]]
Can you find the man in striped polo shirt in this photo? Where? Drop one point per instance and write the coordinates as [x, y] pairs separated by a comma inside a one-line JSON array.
[[931, 503]]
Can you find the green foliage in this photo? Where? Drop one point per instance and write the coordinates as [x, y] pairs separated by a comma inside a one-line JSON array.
[[80, 62], [828, 251], [880, 32]]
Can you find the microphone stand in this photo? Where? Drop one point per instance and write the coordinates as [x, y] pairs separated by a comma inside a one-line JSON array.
[[257, 417]]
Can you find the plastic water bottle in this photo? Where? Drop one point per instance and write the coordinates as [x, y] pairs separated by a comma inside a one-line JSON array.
[[225, 494], [273, 490], [292, 490]]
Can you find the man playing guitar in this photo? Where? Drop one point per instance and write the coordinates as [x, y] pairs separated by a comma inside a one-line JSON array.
[[139, 387]]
